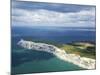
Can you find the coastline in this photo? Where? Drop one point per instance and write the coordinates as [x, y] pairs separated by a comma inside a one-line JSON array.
[[83, 62]]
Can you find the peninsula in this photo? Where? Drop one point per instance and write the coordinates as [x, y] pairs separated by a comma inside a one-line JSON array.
[[84, 62]]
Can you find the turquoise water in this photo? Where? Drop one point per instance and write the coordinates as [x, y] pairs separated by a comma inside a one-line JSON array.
[[30, 61], [53, 64]]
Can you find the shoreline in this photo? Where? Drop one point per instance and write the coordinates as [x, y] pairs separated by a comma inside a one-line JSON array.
[[83, 62]]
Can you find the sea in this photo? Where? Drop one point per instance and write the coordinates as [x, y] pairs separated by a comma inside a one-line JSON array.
[[24, 61]]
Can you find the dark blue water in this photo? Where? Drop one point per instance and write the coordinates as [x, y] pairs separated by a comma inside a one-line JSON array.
[[57, 34], [29, 61]]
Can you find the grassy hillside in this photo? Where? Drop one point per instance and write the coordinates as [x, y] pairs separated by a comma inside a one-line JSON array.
[[82, 49]]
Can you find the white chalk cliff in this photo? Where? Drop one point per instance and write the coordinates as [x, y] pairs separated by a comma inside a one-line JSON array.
[[83, 62]]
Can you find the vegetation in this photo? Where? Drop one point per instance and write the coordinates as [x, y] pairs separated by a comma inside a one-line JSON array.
[[82, 49]]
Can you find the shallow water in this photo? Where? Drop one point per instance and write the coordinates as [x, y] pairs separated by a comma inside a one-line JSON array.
[[46, 63]]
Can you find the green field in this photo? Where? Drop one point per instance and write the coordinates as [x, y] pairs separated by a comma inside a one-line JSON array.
[[81, 48]]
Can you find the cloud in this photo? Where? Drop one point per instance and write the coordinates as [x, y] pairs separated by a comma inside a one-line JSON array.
[[48, 17]]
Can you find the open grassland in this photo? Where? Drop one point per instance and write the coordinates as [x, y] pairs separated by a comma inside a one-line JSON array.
[[82, 49]]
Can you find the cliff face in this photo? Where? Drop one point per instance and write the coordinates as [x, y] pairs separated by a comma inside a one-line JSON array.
[[37, 46], [61, 54]]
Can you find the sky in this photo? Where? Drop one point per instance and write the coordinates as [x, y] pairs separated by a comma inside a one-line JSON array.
[[52, 14]]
